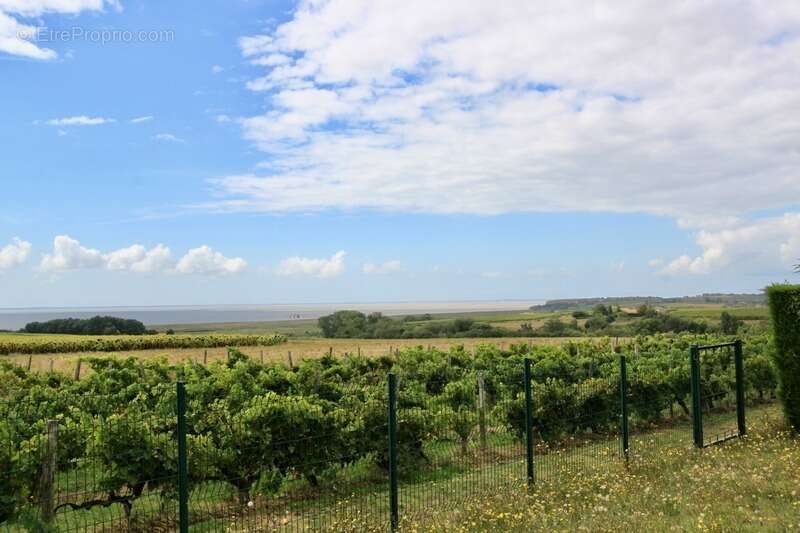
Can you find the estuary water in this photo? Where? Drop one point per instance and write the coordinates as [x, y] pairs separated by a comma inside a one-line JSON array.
[[158, 315]]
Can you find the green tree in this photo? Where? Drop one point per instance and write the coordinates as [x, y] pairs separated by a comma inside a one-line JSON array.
[[343, 324], [554, 327], [729, 324]]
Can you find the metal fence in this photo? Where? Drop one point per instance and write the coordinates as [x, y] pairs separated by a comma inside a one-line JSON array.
[[185, 459]]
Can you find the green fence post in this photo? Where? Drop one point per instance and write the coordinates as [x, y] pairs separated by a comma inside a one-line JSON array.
[[529, 424], [697, 416], [183, 470], [623, 400], [738, 356], [393, 503]]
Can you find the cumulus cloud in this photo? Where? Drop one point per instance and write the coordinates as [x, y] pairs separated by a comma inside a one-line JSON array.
[[479, 107], [204, 260], [139, 259], [69, 254], [19, 39], [768, 245], [320, 268], [388, 267], [14, 254], [81, 120]]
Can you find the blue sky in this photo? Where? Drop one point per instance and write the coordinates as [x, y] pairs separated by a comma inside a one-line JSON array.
[[366, 151]]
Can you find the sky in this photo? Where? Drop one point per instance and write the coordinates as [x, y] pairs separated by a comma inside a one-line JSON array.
[[255, 152]]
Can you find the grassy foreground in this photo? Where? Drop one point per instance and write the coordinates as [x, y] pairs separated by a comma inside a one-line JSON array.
[[752, 484]]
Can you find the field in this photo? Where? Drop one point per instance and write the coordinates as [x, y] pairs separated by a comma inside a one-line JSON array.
[[301, 348], [710, 313], [269, 447], [318, 459]]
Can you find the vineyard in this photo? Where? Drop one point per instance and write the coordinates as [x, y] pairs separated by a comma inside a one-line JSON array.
[[339, 443], [38, 344]]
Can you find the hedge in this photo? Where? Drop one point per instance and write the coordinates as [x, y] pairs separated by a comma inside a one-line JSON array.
[[784, 306]]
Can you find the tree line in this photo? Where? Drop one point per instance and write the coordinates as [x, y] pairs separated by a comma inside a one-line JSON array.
[[97, 325]]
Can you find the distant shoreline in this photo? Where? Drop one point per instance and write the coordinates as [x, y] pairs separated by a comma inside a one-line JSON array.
[[15, 318]]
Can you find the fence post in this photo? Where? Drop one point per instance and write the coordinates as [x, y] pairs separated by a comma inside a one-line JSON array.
[[738, 356], [47, 501], [697, 416], [393, 499], [528, 424], [205, 357], [183, 470], [291, 363], [623, 400], [30, 360], [482, 409], [78, 370]]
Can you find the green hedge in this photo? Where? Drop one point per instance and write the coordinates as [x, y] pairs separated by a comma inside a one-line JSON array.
[[784, 306]]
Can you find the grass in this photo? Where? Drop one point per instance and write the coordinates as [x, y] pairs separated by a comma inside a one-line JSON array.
[[749, 484], [713, 312]]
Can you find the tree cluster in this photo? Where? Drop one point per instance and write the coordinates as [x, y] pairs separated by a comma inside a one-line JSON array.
[[97, 325]]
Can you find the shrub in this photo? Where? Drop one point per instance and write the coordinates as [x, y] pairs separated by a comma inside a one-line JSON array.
[[729, 324], [784, 306]]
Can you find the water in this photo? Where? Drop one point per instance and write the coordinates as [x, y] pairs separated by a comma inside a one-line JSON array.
[[153, 316]]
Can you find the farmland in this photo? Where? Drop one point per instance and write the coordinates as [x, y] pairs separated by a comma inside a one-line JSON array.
[[306, 447], [301, 348]]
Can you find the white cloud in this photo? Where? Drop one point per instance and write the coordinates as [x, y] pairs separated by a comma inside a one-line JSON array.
[[15, 39], [14, 254], [527, 106], [216, 69], [768, 245], [204, 260], [492, 275], [168, 137], [655, 262], [320, 268], [139, 259], [81, 120], [388, 267], [139, 120], [35, 8], [222, 119], [19, 39], [271, 60], [68, 254], [259, 44], [618, 267]]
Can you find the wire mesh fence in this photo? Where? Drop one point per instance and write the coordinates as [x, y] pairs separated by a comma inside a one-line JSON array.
[[576, 426], [285, 463], [453, 440], [102, 468], [349, 444], [718, 392]]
